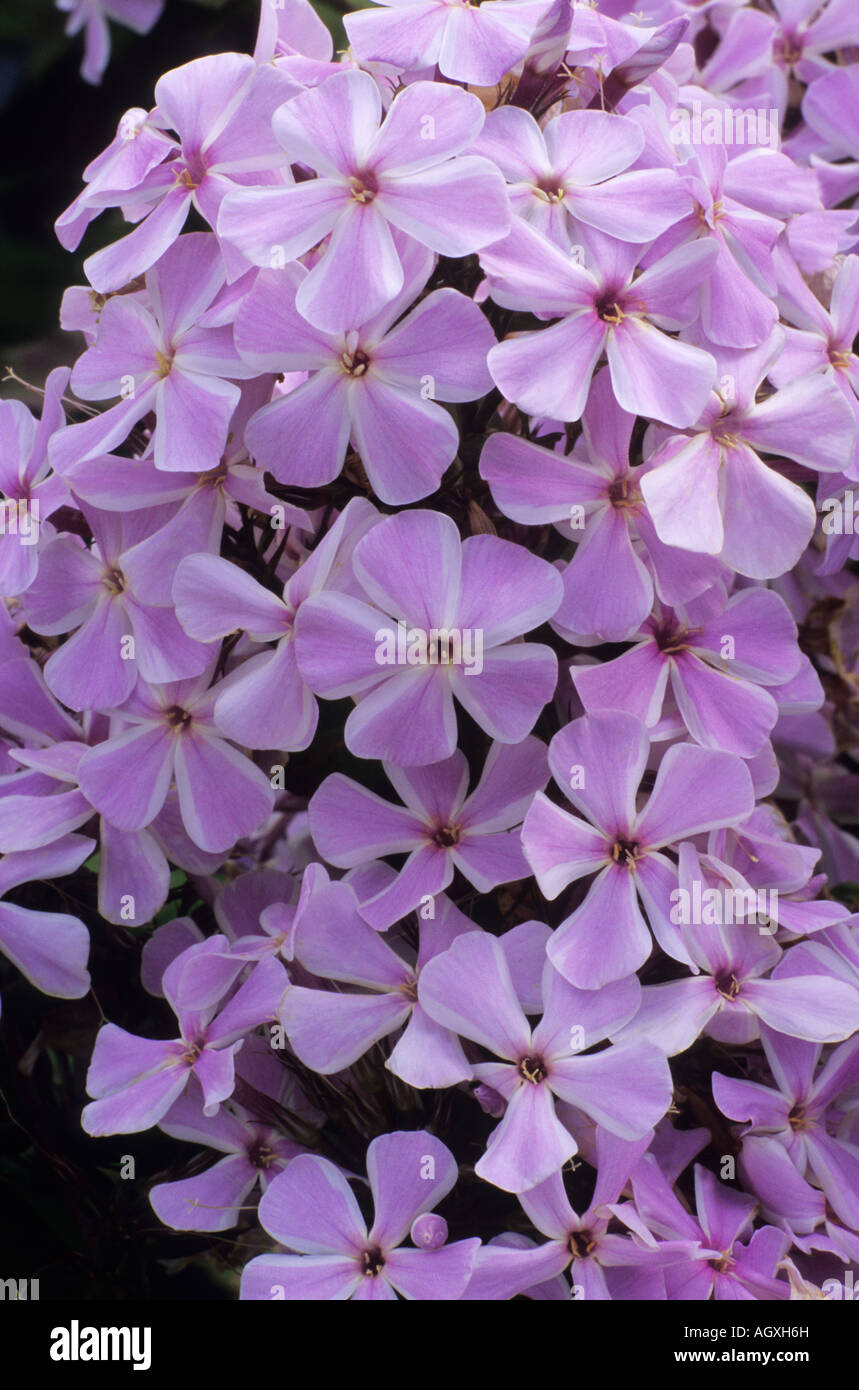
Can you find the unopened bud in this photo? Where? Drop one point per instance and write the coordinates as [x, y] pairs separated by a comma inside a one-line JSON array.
[[429, 1231]]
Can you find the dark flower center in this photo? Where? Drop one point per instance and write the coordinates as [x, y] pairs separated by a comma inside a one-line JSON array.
[[789, 50], [622, 493], [446, 836], [355, 363], [727, 430], [581, 1243], [608, 309], [625, 852], [364, 186], [177, 717], [722, 1264], [114, 580], [670, 638], [727, 985], [260, 1155], [549, 191], [215, 477], [194, 171], [439, 651], [797, 1118], [410, 989], [840, 358], [373, 1261], [533, 1070]]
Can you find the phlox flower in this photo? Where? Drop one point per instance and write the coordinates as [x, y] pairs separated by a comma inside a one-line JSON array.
[[598, 762], [220, 108], [328, 1030], [706, 488], [737, 206], [469, 990], [732, 1261], [823, 340], [376, 384], [415, 571], [719, 654], [735, 986], [577, 169], [602, 308], [794, 1115], [603, 1265], [134, 1081], [115, 636], [312, 1211], [620, 563], [160, 358], [441, 828], [255, 1149], [168, 731], [406, 172]]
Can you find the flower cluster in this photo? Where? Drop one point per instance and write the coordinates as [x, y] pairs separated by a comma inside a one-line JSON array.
[[437, 634]]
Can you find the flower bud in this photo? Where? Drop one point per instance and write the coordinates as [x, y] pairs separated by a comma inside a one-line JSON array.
[[429, 1231]]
